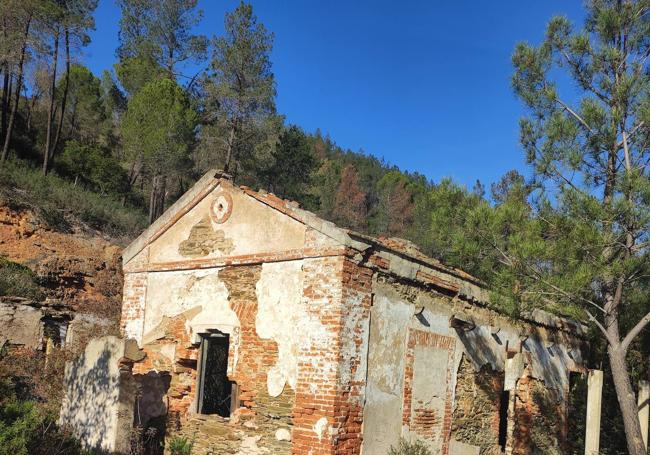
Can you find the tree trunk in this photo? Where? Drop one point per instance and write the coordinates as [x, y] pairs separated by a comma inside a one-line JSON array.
[[4, 70], [73, 121], [626, 400], [19, 83], [229, 150], [50, 112], [157, 197], [616, 354], [30, 110], [162, 192], [152, 199], [170, 63], [5, 100], [65, 91]]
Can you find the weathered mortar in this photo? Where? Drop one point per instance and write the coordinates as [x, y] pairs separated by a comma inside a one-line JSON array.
[[476, 382], [254, 358], [204, 240]]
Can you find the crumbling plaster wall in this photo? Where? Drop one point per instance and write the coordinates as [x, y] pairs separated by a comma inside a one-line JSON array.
[[204, 299], [298, 339], [298, 327], [398, 336]]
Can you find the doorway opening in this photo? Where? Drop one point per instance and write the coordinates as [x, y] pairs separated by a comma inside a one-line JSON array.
[[503, 418], [215, 390]]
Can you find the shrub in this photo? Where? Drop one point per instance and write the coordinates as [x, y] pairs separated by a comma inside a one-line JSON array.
[[180, 446], [25, 429], [95, 167], [18, 281], [53, 198], [19, 422], [409, 448]]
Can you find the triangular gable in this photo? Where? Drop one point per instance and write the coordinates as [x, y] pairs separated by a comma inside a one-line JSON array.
[[216, 219]]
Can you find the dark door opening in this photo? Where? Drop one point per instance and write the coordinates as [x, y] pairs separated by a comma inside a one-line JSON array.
[[503, 418], [215, 390]]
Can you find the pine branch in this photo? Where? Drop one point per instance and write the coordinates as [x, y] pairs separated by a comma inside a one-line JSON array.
[[635, 331], [629, 135], [574, 114], [538, 276], [607, 336]]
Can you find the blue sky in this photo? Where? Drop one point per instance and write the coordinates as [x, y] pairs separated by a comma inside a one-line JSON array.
[[423, 84]]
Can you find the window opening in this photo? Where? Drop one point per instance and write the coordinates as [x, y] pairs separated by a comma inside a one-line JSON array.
[[503, 418], [214, 390]]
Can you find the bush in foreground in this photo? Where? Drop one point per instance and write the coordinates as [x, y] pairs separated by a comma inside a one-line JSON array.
[[18, 281], [409, 448]]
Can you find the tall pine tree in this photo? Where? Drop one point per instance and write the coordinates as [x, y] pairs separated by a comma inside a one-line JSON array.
[[581, 244], [241, 123]]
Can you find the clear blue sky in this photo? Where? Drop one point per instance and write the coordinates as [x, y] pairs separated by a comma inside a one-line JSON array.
[[424, 84]]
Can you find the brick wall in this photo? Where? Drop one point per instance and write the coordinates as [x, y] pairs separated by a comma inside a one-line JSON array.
[[262, 414], [133, 303], [329, 393], [539, 419]]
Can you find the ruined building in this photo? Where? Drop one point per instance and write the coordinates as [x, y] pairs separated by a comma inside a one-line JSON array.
[[265, 329]]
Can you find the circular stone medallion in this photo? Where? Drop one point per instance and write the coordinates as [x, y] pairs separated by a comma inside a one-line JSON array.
[[221, 207]]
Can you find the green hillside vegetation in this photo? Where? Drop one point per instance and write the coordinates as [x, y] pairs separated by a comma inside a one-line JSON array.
[[16, 280], [59, 201]]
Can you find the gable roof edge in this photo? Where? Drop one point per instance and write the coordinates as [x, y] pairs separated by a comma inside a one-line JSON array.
[[184, 204], [309, 219]]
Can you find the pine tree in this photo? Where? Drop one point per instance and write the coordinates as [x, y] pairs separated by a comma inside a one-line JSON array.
[[158, 130], [395, 207], [242, 126], [293, 165], [17, 19], [156, 34], [67, 24], [580, 245]]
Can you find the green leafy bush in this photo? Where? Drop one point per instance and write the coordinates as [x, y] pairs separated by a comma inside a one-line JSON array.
[[26, 430], [94, 167], [180, 446], [409, 448], [18, 281]]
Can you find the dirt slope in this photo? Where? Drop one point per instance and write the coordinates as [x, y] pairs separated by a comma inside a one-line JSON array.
[[80, 268]]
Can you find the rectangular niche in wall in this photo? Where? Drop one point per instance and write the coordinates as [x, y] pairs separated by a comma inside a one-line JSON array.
[[215, 391]]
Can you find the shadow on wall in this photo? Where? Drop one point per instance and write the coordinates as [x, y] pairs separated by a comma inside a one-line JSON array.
[[150, 413], [92, 405], [87, 417], [481, 417]]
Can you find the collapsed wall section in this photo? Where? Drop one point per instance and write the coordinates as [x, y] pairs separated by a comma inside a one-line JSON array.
[[183, 306]]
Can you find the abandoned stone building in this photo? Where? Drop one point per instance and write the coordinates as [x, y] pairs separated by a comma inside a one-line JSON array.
[[265, 329]]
